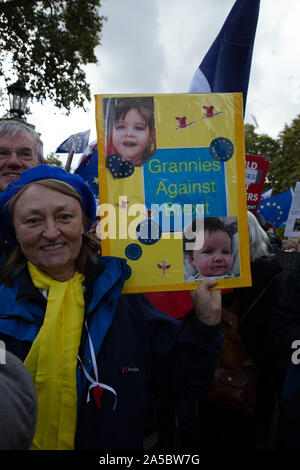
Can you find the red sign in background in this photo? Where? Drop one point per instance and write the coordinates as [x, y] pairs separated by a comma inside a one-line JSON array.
[[255, 172]]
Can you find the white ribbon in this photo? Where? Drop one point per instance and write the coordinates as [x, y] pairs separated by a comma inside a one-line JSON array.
[[95, 383]]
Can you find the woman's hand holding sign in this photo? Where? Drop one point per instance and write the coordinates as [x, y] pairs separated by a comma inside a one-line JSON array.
[[207, 302]]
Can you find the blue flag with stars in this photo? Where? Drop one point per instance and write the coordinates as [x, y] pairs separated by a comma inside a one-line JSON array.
[[88, 167], [276, 209], [76, 142]]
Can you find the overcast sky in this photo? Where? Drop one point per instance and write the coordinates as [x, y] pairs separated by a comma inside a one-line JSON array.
[[155, 46]]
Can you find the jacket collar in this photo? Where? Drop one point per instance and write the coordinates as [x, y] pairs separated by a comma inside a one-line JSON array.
[[28, 291], [105, 279], [112, 267]]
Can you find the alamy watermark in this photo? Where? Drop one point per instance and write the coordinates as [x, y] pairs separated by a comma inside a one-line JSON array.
[[296, 354], [2, 352], [124, 221]]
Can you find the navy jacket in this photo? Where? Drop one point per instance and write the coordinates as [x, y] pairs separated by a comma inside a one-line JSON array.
[[287, 320], [138, 349], [287, 330]]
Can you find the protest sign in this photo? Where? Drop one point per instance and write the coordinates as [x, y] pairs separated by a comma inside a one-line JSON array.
[[172, 188], [292, 228], [256, 170]]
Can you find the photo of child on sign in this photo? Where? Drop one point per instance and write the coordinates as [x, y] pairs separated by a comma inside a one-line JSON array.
[[130, 129], [208, 249]]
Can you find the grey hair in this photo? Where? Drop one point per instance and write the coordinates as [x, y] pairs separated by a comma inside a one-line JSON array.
[[258, 238], [14, 128]]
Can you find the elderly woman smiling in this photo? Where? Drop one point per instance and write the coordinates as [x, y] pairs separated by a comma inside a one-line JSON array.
[[92, 352]]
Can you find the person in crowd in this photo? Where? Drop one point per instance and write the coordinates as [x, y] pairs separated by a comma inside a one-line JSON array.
[[214, 257], [94, 355], [131, 129], [248, 339], [18, 403], [288, 244], [20, 148], [297, 245], [275, 241], [287, 333], [260, 219]]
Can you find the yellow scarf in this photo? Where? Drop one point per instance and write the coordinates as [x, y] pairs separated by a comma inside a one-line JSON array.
[[52, 360]]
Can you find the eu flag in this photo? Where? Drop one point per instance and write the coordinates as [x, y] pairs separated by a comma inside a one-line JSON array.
[[226, 66], [276, 209], [76, 142], [88, 167]]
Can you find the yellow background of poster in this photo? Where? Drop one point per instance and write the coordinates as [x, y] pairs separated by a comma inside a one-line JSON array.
[[160, 268]]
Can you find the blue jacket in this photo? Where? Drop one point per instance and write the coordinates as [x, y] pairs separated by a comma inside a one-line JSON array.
[[138, 349]]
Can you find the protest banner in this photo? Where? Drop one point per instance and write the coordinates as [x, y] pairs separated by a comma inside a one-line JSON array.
[[172, 173], [255, 172]]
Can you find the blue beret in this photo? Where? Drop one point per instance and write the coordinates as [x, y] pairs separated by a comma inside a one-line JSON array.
[[42, 172]]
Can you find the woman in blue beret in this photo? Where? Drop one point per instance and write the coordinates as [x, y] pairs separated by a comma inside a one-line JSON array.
[[94, 355]]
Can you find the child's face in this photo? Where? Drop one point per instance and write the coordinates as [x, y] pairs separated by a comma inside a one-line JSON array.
[[214, 258], [131, 135]]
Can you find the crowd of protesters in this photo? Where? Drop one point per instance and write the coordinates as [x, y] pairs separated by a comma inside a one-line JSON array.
[[127, 374]]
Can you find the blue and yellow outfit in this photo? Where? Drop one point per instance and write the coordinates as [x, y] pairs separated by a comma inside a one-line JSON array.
[[138, 350]]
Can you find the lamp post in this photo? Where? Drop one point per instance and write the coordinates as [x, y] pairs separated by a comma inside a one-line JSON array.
[[18, 97]]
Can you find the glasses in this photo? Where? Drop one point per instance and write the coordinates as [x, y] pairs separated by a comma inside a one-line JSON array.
[[25, 154]]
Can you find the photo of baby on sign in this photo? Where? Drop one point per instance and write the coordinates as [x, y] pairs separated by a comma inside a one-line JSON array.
[[216, 255]]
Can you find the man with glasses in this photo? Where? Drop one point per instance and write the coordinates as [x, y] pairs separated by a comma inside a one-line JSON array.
[[20, 148]]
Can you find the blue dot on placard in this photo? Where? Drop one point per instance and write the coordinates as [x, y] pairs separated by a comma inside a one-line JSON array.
[[119, 168], [148, 232], [133, 251], [221, 149], [128, 272]]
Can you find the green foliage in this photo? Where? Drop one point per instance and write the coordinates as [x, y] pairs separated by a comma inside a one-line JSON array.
[[284, 153], [47, 43], [52, 160], [285, 170], [260, 144]]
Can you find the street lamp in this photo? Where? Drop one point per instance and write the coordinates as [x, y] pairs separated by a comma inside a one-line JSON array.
[[18, 97]]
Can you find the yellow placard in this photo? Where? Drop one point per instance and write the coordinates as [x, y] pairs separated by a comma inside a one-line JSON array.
[[172, 189]]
